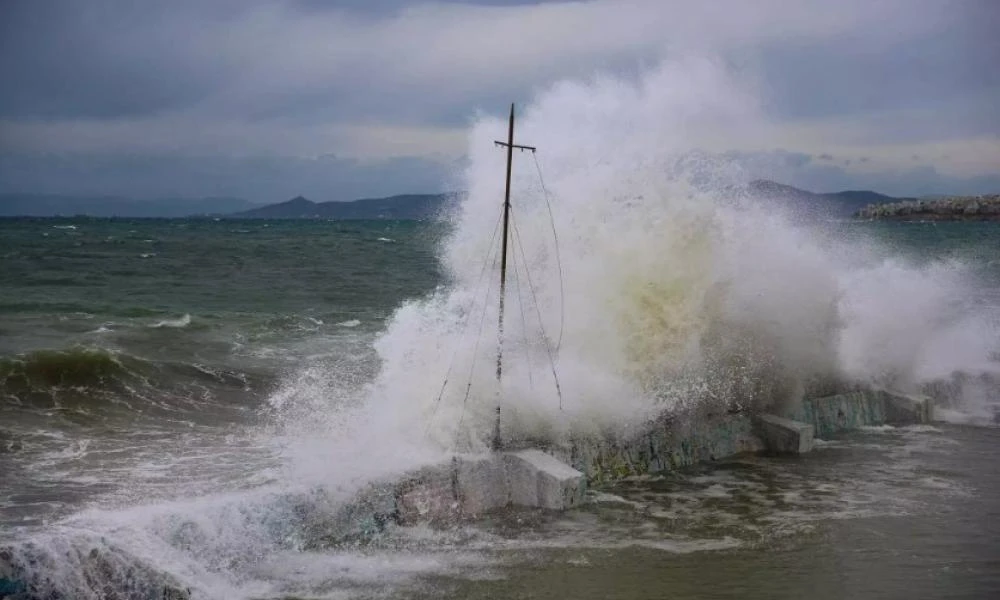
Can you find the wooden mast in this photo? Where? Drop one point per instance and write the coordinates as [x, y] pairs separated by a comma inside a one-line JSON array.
[[510, 145]]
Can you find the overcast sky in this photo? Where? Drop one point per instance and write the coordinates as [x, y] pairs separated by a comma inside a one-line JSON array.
[[267, 99]]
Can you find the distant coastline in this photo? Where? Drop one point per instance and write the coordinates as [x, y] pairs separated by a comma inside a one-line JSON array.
[[863, 204], [955, 208]]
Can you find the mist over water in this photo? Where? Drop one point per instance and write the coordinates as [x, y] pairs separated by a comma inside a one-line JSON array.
[[670, 291]]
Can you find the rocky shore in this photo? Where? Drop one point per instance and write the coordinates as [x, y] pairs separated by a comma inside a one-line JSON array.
[[956, 208]]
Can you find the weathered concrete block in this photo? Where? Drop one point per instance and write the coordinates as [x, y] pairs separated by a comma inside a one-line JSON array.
[[863, 408], [902, 409], [481, 483], [429, 495], [539, 479], [785, 436], [844, 412]]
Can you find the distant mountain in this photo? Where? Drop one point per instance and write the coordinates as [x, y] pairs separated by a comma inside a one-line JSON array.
[[811, 204], [45, 205], [296, 208], [404, 207]]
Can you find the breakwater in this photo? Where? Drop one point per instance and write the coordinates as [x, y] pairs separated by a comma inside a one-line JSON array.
[[468, 486]]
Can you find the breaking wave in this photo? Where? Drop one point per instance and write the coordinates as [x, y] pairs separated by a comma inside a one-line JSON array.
[[90, 367], [179, 322], [673, 290], [85, 379]]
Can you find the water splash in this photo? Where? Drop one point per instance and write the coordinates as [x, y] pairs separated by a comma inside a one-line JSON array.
[[678, 290]]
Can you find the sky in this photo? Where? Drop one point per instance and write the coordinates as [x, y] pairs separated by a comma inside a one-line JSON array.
[[343, 99]]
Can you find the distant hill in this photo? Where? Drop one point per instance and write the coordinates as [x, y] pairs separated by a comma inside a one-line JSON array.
[[811, 204], [404, 207], [46, 205], [425, 206]]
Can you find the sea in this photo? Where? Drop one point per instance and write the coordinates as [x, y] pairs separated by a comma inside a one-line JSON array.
[[173, 393]]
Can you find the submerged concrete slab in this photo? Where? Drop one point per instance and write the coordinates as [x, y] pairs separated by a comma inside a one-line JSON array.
[[785, 436], [902, 409], [665, 445], [540, 480], [863, 408]]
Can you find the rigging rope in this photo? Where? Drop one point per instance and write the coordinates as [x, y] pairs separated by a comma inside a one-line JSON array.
[[555, 238], [475, 353], [465, 322], [538, 312], [524, 322]]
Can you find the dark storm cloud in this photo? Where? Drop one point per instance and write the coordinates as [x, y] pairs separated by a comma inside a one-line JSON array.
[[955, 60], [104, 58], [116, 58], [395, 81]]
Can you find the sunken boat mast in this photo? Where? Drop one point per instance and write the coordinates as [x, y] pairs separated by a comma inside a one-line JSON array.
[[510, 146]]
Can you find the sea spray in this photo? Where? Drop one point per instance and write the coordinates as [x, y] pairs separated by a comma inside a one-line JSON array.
[[677, 291]]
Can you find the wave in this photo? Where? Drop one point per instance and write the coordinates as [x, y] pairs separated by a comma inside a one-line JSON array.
[[673, 289], [177, 323], [87, 379], [84, 367]]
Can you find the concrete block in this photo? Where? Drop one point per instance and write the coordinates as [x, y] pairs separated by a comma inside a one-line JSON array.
[[844, 412], [786, 436], [481, 483], [908, 410], [538, 479], [429, 495]]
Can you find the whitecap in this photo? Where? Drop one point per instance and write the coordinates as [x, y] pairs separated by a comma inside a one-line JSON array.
[[351, 323], [183, 321]]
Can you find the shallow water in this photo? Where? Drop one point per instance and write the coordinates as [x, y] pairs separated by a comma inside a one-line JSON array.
[[897, 513]]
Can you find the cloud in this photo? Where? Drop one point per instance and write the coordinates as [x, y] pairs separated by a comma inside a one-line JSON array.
[[859, 173], [377, 81]]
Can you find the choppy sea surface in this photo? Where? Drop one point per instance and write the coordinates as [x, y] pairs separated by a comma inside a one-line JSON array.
[[156, 378]]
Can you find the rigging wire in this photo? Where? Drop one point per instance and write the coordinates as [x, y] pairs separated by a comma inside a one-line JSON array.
[[465, 322], [524, 323], [538, 312], [464, 327], [475, 354], [555, 238]]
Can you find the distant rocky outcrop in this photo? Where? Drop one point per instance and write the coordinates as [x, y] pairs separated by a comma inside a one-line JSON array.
[[955, 208], [404, 207]]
